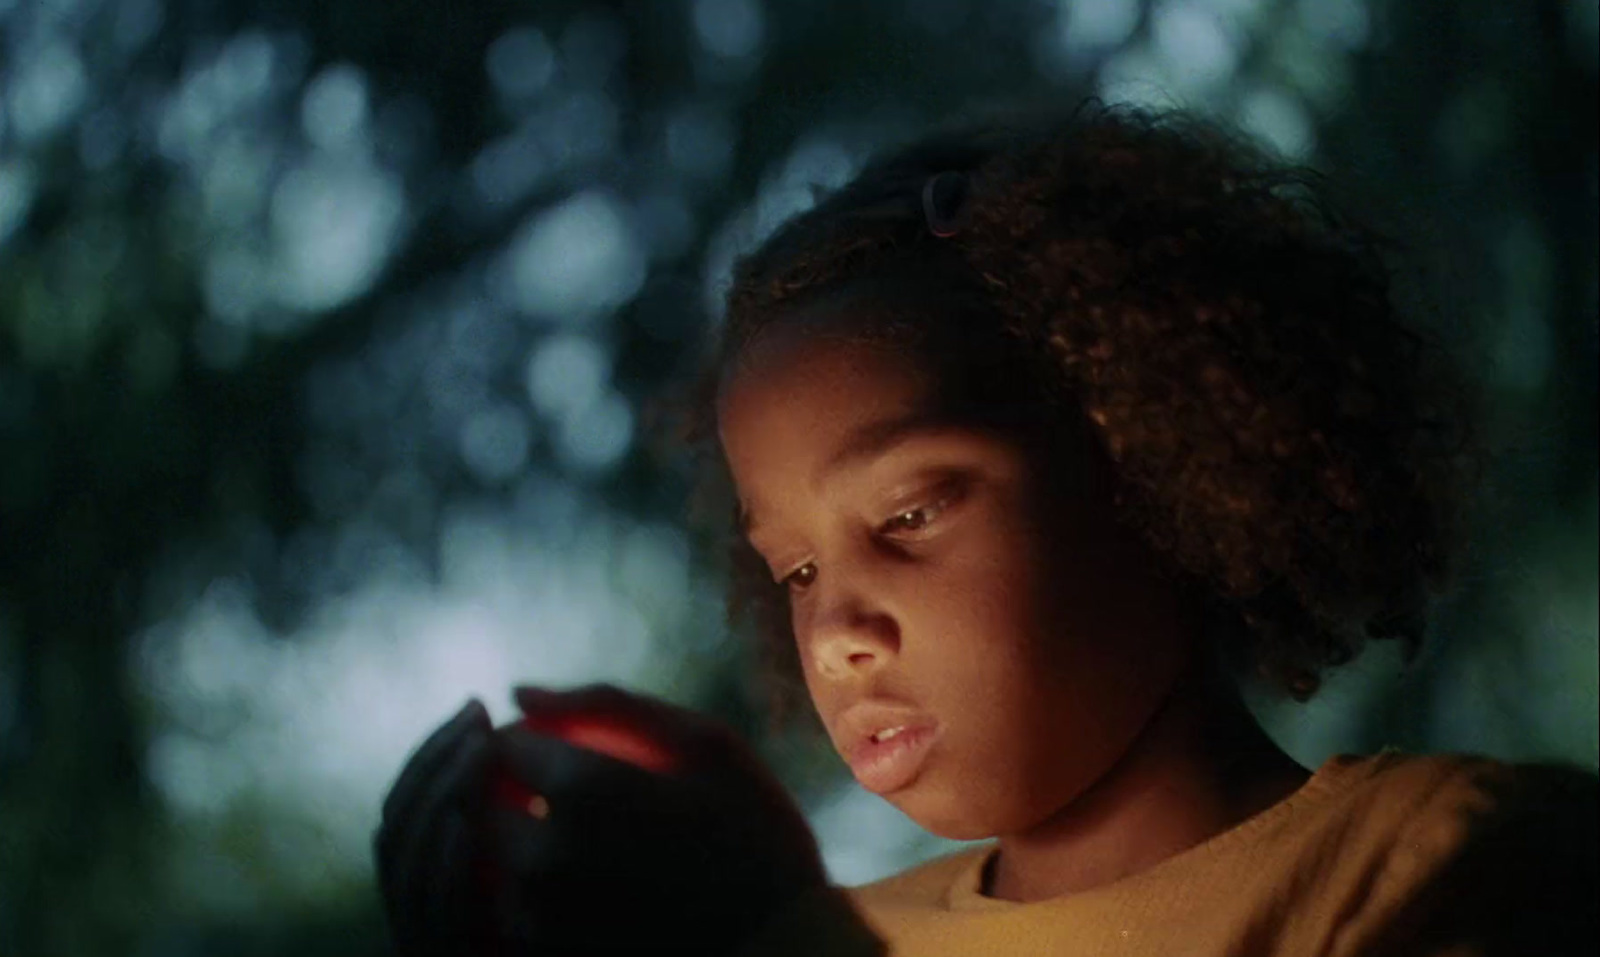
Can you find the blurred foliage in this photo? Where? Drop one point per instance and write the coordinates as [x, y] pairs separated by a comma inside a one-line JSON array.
[[296, 298]]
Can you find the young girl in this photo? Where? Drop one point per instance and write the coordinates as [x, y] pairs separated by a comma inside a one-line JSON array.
[[1039, 434]]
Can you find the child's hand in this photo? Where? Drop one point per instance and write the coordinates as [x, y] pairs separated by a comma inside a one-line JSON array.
[[596, 853], [423, 848]]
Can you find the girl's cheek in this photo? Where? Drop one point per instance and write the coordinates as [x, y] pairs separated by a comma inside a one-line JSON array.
[[797, 620], [806, 650]]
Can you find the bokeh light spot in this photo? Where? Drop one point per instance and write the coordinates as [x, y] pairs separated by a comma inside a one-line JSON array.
[[566, 373], [1344, 22], [1277, 118], [595, 437], [495, 442], [17, 185], [509, 168], [729, 28], [576, 259], [333, 112], [520, 63], [1196, 50], [334, 226], [1091, 25], [48, 86]]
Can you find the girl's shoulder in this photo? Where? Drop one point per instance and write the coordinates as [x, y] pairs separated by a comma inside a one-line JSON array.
[[1414, 829], [1498, 857], [1464, 797], [1394, 774], [1408, 812]]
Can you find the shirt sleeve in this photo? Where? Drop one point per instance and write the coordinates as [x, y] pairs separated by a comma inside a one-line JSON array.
[[822, 923], [1523, 882]]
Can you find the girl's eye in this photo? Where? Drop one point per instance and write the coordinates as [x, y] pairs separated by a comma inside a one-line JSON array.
[[801, 578], [914, 520]]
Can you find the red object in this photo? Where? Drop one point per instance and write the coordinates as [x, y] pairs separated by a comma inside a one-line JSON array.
[[605, 735], [608, 736]]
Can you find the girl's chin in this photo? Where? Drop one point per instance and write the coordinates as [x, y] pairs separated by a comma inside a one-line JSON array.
[[943, 816]]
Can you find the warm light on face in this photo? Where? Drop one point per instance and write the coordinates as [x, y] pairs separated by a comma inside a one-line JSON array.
[[914, 555]]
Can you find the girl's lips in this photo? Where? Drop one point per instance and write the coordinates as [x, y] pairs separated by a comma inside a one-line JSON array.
[[886, 766]]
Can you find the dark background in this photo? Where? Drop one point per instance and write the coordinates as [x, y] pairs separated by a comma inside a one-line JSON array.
[[327, 332]]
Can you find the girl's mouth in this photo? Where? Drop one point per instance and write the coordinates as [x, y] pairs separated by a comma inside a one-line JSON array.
[[891, 758]]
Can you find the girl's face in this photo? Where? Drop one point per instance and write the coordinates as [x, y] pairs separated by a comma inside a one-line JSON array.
[[1015, 631]]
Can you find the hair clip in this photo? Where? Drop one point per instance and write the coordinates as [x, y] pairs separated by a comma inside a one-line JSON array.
[[942, 199]]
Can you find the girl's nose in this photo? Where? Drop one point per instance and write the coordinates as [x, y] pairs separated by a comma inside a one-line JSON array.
[[850, 635]]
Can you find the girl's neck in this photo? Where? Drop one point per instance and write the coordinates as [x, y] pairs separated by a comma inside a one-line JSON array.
[[1201, 766]]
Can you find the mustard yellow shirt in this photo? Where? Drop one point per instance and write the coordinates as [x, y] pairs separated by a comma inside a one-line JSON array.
[[1389, 855]]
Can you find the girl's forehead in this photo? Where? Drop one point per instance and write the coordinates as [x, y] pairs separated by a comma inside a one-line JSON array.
[[853, 344], [862, 319], [798, 404], [799, 375]]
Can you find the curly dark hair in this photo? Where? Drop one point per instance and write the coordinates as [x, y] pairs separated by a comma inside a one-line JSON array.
[[1281, 439]]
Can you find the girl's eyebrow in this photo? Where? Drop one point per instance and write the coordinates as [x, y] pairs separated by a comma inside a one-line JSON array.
[[864, 443], [875, 438]]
